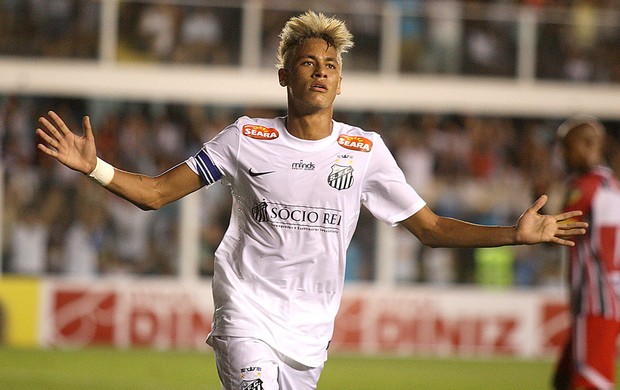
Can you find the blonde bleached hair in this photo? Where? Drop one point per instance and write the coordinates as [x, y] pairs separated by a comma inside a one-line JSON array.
[[312, 25]]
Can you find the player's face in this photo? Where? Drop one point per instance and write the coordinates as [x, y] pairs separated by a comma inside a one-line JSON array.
[[313, 80], [583, 148]]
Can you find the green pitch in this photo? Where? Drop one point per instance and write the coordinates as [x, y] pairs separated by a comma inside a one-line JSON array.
[[112, 369]]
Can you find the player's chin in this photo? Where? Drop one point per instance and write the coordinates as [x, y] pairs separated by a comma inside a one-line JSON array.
[[316, 106]]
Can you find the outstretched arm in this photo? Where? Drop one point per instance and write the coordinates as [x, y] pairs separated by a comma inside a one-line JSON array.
[[531, 228], [80, 153]]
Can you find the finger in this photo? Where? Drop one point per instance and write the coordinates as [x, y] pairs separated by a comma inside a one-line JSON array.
[[46, 150], [540, 202], [88, 130], [573, 225], [561, 241], [59, 122], [50, 128], [53, 142], [571, 232], [568, 215]]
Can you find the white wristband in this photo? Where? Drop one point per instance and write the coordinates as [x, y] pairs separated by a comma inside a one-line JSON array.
[[103, 172]]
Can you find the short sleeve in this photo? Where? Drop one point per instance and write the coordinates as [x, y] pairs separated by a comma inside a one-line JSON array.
[[217, 157], [385, 192]]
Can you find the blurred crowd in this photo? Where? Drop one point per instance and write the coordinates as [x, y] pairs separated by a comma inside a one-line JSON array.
[[574, 40], [483, 169]]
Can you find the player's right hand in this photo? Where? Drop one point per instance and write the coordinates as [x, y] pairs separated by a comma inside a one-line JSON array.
[[76, 152]]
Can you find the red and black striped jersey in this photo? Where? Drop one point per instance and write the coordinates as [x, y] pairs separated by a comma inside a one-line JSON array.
[[594, 270]]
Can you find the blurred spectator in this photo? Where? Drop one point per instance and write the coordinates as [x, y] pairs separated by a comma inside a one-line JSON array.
[[585, 26], [417, 161], [440, 266], [200, 38], [17, 140], [442, 47], [365, 25], [168, 32], [449, 141], [29, 239], [50, 28], [30, 233], [12, 15], [169, 139], [489, 49], [87, 240], [53, 19], [132, 227], [412, 34], [163, 238], [490, 39], [577, 66], [157, 26], [86, 31], [414, 154], [484, 137], [273, 20], [482, 50], [135, 142]]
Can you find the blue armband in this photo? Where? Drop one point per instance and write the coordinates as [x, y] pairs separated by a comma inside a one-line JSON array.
[[209, 173]]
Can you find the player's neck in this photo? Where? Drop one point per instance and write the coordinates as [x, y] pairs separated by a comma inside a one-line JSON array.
[[311, 126]]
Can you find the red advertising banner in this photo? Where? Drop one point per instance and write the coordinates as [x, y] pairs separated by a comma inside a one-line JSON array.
[[159, 314], [166, 314], [468, 322], [83, 316], [554, 326]]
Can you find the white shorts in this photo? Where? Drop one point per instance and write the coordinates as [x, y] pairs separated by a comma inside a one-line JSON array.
[[250, 364]]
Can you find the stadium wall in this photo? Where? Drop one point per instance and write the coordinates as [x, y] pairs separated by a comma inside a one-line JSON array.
[[259, 87], [167, 314]]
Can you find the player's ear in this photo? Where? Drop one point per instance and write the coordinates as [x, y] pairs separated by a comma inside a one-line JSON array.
[[282, 76], [339, 90]]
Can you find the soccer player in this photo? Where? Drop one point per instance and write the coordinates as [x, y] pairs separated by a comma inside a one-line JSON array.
[[298, 183], [588, 359]]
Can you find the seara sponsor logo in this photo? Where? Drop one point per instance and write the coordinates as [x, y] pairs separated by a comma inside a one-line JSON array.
[[361, 144], [260, 132]]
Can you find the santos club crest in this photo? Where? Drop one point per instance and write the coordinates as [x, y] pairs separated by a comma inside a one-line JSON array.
[[341, 177], [256, 384]]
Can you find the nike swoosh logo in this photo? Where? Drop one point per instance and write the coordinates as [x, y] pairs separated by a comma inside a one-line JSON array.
[[254, 174]]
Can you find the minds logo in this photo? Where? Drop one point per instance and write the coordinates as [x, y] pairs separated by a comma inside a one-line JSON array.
[[303, 166], [297, 217]]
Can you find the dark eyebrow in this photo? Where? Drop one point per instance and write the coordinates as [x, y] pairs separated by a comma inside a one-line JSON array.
[[313, 57]]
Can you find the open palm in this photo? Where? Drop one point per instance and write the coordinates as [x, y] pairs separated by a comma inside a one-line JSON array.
[[533, 227], [76, 152]]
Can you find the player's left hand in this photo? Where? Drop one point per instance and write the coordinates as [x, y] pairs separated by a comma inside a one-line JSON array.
[[534, 228]]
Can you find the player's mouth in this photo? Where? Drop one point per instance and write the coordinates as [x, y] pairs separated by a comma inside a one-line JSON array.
[[318, 87]]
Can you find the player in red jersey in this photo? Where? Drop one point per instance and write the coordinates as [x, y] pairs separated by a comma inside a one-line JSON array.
[[588, 359]]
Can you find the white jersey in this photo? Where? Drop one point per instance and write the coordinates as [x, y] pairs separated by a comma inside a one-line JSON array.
[[279, 271]]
